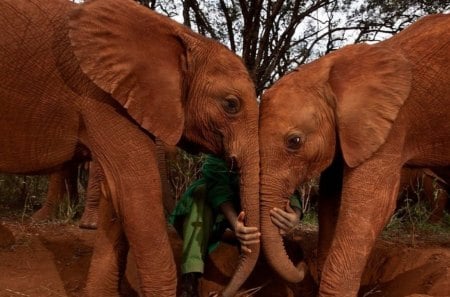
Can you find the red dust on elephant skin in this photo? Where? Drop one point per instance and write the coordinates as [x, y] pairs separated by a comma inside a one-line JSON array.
[[53, 260]]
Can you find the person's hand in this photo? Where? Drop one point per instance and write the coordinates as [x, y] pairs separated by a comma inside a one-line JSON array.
[[246, 235], [285, 220]]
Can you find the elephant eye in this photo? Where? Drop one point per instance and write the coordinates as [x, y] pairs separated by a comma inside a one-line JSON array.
[[294, 142], [231, 104]]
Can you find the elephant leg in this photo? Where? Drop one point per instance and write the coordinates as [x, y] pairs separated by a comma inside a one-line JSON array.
[[328, 214], [91, 205], [128, 159], [330, 188], [369, 193], [55, 194], [110, 253]]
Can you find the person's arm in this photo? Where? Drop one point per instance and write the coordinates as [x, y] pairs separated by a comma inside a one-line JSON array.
[[245, 235], [220, 183], [286, 220]]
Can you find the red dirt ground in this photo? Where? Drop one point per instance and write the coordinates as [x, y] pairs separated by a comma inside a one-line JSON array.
[[52, 259]]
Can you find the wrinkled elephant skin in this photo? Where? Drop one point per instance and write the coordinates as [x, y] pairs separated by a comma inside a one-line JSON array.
[[109, 77], [65, 182], [356, 117]]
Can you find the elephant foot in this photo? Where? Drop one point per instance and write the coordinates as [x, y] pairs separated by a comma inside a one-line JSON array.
[[6, 237], [42, 214]]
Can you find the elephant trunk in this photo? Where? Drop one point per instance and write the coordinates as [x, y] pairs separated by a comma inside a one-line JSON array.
[[249, 193], [272, 241]]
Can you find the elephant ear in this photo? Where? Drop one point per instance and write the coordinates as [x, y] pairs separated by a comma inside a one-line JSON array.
[[370, 84], [136, 56]]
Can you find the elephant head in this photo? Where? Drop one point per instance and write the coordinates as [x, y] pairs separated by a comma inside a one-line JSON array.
[[177, 85], [343, 102]]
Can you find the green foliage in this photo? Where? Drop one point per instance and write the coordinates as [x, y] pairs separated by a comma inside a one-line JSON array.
[[69, 210], [183, 170], [446, 220], [308, 192], [310, 217], [412, 217], [416, 230], [22, 192]]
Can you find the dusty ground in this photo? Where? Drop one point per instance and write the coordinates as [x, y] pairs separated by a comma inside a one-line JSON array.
[[52, 259]]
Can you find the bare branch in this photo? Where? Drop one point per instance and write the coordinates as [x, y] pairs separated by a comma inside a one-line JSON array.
[[229, 22]]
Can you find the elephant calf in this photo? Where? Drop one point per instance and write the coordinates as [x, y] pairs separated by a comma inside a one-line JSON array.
[[110, 77], [356, 116]]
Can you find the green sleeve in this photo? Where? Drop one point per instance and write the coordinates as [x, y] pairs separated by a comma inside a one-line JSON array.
[[219, 181], [184, 206], [295, 200]]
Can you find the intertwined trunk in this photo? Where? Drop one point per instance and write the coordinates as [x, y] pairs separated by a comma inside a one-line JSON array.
[[249, 193], [272, 241]]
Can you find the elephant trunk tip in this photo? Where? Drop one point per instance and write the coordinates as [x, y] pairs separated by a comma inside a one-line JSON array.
[[293, 273], [302, 269], [296, 276]]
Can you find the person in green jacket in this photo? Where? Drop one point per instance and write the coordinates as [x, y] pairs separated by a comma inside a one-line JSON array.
[[209, 206]]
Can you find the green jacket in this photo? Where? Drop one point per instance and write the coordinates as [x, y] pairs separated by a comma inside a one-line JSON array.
[[222, 185]]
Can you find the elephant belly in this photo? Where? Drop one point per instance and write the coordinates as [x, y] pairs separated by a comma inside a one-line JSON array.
[[36, 135]]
